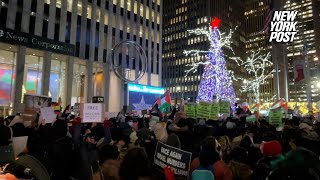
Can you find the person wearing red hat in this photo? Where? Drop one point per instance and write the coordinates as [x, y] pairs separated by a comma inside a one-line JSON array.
[[272, 154]]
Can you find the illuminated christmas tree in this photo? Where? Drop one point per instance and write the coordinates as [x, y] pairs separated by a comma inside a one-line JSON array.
[[216, 81]]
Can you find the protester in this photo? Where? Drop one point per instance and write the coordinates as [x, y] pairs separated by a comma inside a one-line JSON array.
[[5, 134], [307, 132], [136, 166], [109, 164], [240, 170], [124, 147], [272, 154], [209, 155]]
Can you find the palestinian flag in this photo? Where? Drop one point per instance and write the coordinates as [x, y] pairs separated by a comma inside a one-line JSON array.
[[278, 104], [256, 107], [285, 106], [164, 102]]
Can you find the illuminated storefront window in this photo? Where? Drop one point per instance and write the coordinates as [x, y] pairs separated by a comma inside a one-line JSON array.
[[57, 85], [79, 82], [7, 75], [32, 81], [97, 80]]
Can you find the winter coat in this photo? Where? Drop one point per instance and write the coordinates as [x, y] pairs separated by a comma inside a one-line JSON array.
[[88, 156], [5, 135], [109, 170], [60, 154], [240, 171], [220, 169], [202, 174]]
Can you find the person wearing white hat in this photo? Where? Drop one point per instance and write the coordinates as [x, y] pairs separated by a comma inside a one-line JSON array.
[[307, 132]]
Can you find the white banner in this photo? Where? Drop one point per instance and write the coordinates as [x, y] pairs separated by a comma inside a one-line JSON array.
[[47, 113]]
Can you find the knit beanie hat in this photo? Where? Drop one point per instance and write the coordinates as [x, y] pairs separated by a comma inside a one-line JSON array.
[[271, 148]]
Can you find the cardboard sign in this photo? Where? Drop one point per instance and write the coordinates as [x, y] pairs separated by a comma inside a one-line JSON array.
[[92, 112], [177, 159], [47, 113], [215, 111], [275, 117], [224, 107], [190, 110], [204, 109], [19, 144]]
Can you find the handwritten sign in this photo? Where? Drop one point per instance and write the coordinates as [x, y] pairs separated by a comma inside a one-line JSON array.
[[190, 110], [47, 113], [224, 107], [204, 109], [215, 111], [177, 159], [92, 112], [275, 117]]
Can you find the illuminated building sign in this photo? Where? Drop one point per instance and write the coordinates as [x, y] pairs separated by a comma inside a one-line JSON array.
[[146, 89], [143, 97]]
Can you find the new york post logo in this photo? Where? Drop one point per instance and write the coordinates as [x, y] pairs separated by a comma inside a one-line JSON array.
[[283, 26]]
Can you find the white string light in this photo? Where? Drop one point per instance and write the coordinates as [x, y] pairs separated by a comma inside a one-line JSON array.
[[256, 65]]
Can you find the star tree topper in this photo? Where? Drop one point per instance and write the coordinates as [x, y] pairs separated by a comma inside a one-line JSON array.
[[215, 23]]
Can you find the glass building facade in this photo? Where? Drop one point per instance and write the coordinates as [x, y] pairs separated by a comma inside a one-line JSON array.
[[91, 28]]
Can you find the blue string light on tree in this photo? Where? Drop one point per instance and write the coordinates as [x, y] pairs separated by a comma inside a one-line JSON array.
[[216, 79]]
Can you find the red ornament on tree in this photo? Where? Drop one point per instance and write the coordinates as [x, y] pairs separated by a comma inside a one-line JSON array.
[[215, 23]]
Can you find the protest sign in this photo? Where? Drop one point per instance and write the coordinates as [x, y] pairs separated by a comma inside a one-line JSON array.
[[111, 114], [190, 110], [34, 102], [251, 118], [19, 144], [47, 113], [275, 117], [215, 111], [204, 109], [92, 112], [172, 157], [224, 107]]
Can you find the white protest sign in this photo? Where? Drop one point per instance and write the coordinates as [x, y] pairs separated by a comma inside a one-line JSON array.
[[111, 114], [176, 159], [47, 113], [19, 144], [92, 112]]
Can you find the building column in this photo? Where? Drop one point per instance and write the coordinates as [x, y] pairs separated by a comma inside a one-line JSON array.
[[89, 81], [106, 85], [69, 79], [20, 64], [46, 68]]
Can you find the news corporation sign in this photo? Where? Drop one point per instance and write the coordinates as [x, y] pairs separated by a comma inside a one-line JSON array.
[[32, 41], [283, 26]]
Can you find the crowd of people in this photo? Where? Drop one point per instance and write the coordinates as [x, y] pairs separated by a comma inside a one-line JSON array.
[[123, 148]]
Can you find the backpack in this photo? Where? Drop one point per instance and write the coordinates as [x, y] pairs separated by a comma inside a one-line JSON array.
[[202, 174]]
